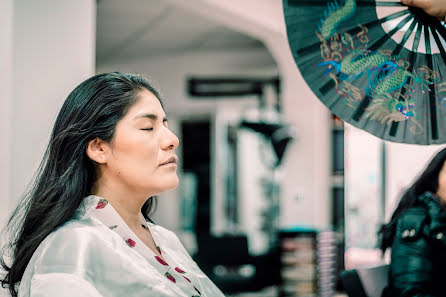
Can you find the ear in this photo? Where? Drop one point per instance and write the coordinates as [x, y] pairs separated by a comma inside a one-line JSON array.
[[97, 150]]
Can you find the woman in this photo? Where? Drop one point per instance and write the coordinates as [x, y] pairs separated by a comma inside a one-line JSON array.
[[416, 234], [86, 229]]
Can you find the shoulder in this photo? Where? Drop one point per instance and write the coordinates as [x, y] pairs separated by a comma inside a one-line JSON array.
[[411, 222], [85, 228], [163, 233], [414, 213], [432, 203], [74, 240], [427, 206], [168, 238], [162, 229]]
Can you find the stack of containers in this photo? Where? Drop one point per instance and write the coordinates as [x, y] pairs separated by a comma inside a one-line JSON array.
[[326, 263], [298, 262], [308, 259]]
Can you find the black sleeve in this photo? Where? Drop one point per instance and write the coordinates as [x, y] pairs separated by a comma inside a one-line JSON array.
[[411, 266]]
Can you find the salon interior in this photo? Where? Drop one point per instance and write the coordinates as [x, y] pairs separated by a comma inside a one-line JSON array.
[[277, 195]]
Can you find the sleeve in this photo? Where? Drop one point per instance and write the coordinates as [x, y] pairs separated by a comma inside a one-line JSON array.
[[61, 284], [411, 266]]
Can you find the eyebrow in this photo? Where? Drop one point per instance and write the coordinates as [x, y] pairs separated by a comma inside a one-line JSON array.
[[151, 116]]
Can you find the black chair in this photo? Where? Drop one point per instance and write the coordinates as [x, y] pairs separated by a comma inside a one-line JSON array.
[[365, 282], [231, 251]]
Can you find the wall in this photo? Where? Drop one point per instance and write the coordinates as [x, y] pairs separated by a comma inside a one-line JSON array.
[[6, 64], [306, 194], [54, 44], [404, 164], [363, 187], [47, 48]]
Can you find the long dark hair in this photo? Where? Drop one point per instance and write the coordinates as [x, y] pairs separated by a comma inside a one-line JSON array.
[[66, 174], [427, 182]]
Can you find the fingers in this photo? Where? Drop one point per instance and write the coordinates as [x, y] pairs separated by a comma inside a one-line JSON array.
[[435, 8], [417, 3]]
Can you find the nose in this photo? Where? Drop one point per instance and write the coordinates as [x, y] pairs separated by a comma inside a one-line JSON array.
[[170, 140]]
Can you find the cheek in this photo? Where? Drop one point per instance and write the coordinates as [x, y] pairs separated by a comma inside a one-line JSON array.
[[136, 157], [442, 182]]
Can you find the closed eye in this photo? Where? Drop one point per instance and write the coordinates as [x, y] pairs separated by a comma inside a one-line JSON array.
[[148, 129]]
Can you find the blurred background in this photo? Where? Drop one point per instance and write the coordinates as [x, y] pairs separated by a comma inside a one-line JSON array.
[[276, 196]]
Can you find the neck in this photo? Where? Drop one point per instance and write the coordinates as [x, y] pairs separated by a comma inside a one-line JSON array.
[[441, 197], [127, 207]]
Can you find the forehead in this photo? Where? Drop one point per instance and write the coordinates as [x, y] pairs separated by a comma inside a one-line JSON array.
[[147, 103]]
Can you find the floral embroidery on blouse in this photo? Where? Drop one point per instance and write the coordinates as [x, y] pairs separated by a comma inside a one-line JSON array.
[[101, 204], [130, 242], [170, 277], [161, 261]]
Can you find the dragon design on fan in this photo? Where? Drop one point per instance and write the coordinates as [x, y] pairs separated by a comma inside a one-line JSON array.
[[334, 15], [442, 90], [348, 57], [386, 74]]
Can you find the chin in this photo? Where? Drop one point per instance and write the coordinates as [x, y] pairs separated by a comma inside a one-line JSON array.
[[175, 183], [167, 186]]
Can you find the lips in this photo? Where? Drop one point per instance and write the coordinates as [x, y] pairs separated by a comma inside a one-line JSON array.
[[171, 160]]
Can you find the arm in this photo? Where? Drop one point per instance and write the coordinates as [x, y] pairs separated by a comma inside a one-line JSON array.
[[411, 267], [110, 284]]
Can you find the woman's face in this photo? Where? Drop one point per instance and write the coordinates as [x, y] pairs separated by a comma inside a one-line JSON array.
[[142, 150], [441, 191]]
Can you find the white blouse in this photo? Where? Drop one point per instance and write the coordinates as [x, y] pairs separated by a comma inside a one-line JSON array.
[[97, 254]]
